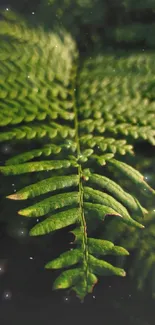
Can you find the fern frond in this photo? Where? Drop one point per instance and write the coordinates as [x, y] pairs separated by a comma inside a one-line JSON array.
[[135, 33], [117, 191], [117, 83], [142, 267], [76, 151], [45, 151], [37, 131], [130, 4]]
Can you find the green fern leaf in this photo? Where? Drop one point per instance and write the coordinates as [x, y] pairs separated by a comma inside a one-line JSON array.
[[66, 259], [104, 247], [105, 199], [82, 125], [53, 203], [57, 221], [115, 190], [35, 167], [132, 174], [45, 186]]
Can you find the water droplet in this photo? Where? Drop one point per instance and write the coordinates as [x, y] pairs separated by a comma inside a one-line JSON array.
[[21, 232], [7, 295], [37, 220], [7, 9], [6, 149], [147, 177], [17, 231], [66, 299], [31, 258], [33, 12]]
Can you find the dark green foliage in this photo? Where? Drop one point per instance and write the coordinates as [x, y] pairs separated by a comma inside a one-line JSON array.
[[127, 22], [72, 14], [85, 116], [142, 243]]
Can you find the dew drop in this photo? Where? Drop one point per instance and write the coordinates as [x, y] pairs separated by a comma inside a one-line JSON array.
[[66, 299], [6, 149], [7, 295], [147, 177], [21, 232]]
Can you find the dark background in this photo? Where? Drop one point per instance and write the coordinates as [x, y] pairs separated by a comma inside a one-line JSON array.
[[26, 295]]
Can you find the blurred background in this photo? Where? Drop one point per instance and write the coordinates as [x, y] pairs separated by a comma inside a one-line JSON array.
[[112, 22], [25, 287]]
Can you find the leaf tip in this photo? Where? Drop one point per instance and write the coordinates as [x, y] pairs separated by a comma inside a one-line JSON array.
[[123, 273], [12, 197], [16, 196], [23, 213]]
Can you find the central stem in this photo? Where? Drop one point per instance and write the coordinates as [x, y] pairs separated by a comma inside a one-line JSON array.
[[81, 191]]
